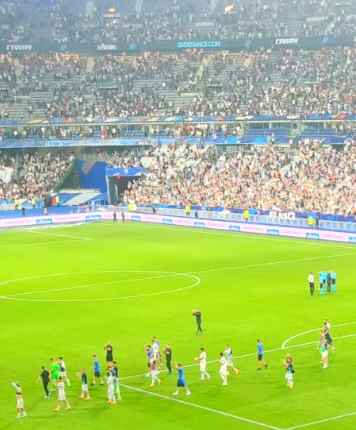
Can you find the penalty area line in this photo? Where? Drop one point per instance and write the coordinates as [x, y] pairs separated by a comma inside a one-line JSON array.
[[201, 407], [322, 421]]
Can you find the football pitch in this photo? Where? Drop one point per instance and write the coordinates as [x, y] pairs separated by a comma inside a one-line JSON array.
[[68, 291]]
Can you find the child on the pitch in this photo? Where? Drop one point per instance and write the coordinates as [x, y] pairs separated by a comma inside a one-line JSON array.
[[85, 395], [64, 371], [230, 359], [261, 355], [203, 363], [97, 371], [223, 371], [289, 375], [181, 382], [20, 405], [110, 381], [61, 392], [154, 372]]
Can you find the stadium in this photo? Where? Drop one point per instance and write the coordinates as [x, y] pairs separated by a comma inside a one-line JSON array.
[[178, 214]]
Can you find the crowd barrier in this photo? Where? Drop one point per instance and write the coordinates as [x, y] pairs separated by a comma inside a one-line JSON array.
[[89, 217]]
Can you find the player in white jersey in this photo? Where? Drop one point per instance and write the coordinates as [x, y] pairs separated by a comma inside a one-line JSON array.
[[203, 363], [223, 371], [156, 346], [64, 371], [20, 404], [61, 392], [110, 381], [154, 372], [230, 359]]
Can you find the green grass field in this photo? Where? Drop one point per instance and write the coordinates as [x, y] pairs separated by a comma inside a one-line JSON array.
[[67, 291]]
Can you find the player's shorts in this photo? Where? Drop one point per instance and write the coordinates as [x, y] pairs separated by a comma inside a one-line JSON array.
[[223, 372], [203, 367], [97, 374], [259, 357], [20, 404], [324, 354], [289, 377], [85, 388], [154, 373], [181, 383], [62, 396]]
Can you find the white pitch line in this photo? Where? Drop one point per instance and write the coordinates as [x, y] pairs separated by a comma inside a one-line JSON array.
[[273, 263], [313, 330], [204, 408], [66, 236], [323, 421], [195, 284], [228, 233], [36, 243], [97, 284]]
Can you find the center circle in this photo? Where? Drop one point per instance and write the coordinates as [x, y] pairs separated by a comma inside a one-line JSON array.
[[135, 276]]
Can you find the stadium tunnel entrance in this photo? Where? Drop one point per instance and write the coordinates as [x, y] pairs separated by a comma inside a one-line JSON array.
[[118, 178]]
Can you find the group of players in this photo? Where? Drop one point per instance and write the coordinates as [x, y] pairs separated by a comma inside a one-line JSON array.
[[56, 378]]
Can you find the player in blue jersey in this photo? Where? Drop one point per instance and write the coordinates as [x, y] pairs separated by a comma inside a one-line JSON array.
[[261, 355], [97, 371], [181, 383]]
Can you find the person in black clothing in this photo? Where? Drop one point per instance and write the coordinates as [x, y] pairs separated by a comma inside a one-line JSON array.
[[109, 352], [198, 320], [168, 354], [328, 282], [44, 375], [114, 217]]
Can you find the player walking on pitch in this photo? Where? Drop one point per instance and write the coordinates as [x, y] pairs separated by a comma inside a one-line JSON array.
[[20, 404], [154, 372], [311, 282], [289, 375], [84, 395], [97, 371], [181, 382], [168, 354], [261, 355], [64, 373], [230, 360], [45, 378], [203, 363], [198, 320], [110, 381], [61, 392], [223, 371]]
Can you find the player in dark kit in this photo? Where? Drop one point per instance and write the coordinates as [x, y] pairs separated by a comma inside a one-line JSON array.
[[168, 355], [114, 217], [44, 376], [109, 353], [198, 320]]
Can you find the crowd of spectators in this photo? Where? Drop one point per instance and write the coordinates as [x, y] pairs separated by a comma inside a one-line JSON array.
[[141, 22], [31, 176], [280, 83], [305, 177]]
